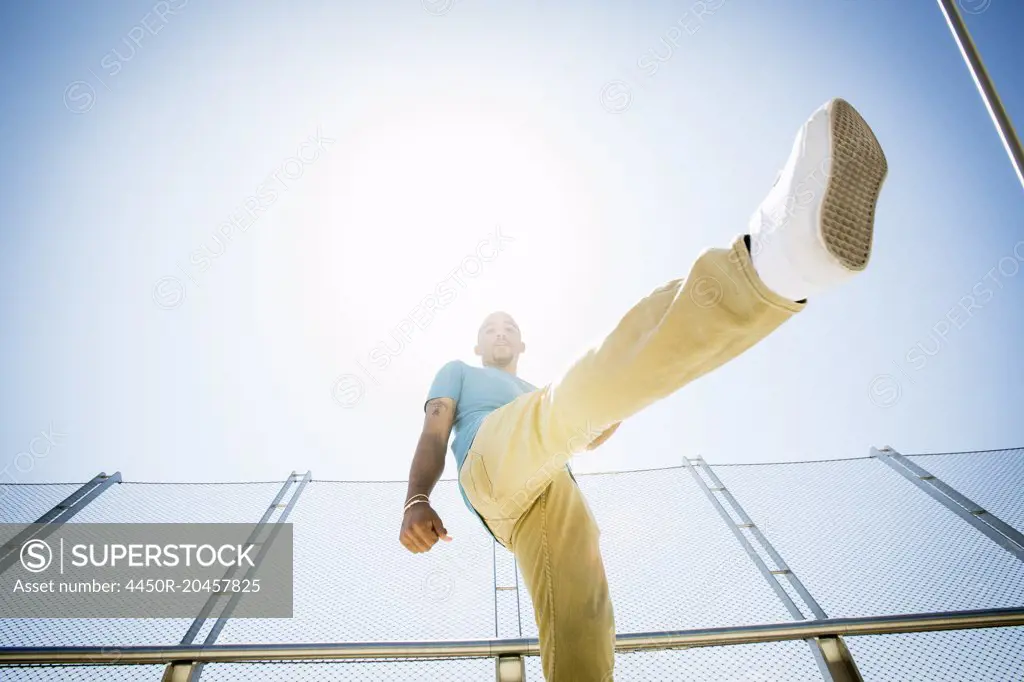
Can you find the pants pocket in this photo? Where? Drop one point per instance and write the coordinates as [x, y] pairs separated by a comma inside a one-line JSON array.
[[476, 482]]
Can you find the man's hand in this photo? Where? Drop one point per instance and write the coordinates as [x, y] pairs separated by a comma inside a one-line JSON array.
[[422, 528]]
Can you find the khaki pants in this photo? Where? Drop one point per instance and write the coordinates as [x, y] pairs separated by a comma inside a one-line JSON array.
[[515, 472]]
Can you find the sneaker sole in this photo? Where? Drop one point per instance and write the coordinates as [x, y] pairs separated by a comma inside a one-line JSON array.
[[858, 170]]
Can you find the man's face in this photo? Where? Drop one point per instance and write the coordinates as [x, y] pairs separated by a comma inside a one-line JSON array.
[[499, 341]]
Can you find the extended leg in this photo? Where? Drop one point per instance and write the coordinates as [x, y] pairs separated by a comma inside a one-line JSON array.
[[813, 230], [680, 331]]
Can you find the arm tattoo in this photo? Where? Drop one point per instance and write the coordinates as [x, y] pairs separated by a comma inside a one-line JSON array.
[[437, 407]]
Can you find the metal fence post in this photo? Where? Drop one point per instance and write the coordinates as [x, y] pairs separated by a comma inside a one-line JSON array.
[[179, 672], [985, 86], [510, 669]]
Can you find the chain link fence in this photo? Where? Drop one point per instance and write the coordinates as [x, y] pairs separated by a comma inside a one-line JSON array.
[[992, 478], [862, 539]]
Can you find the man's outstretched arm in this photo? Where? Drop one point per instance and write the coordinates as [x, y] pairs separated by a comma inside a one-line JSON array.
[[421, 526]]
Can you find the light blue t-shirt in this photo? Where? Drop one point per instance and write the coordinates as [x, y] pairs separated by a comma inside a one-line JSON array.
[[477, 391]]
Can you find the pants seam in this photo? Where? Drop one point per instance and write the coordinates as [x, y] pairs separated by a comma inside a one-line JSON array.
[[547, 573]]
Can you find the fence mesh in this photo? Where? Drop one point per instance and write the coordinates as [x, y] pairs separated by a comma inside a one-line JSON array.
[[443, 670], [989, 655], [354, 581], [863, 540], [993, 479], [93, 673], [25, 503], [660, 536], [135, 503]]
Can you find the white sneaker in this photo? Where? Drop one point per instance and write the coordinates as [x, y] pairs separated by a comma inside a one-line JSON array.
[[814, 229]]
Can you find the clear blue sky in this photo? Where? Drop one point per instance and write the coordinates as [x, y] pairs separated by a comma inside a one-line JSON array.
[[133, 131]]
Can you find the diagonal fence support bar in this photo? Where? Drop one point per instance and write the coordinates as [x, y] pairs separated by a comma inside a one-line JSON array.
[[975, 509], [783, 596], [275, 528], [46, 524], [993, 527], [747, 522], [264, 548], [207, 609], [985, 86], [828, 654]]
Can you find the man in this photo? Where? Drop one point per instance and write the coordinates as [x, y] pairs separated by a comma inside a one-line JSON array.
[[513, 440]]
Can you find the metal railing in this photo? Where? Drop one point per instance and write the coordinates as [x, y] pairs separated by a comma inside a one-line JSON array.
[[189, 655]]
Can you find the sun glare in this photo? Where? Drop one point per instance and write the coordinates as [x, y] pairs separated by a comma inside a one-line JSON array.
[[413, 197]]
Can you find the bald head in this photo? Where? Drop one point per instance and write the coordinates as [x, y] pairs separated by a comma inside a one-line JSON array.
[[499, 342]]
